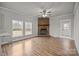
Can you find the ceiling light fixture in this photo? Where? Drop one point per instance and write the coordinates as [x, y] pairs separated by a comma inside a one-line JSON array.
[[44, 15]]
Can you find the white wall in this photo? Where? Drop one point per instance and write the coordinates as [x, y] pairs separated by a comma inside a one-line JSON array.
[[1, 23], [6, 17], [0, 48], [54, 27], [35, 26], [55, 24], [76, 25]]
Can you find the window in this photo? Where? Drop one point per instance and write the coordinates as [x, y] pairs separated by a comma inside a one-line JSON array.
[[66, 28], [28, 28], [17, 28]]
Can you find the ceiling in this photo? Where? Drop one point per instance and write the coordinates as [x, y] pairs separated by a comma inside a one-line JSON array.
[[34, 8]]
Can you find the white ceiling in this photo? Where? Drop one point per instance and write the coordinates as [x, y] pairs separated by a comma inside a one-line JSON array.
[[34, 8]]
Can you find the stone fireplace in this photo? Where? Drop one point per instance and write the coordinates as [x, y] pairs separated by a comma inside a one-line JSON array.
[[43, 26]]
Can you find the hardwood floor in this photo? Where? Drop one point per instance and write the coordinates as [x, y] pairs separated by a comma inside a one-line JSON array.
[[41, 46]]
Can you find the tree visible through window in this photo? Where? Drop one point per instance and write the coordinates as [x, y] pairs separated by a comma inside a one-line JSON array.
[[17, 28], [28, 28]]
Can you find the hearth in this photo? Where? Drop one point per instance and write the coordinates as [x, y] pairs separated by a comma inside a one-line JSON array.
[[43, 32]]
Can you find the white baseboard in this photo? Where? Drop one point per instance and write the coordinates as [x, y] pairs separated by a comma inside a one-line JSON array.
[[61, 37], [17, 39]]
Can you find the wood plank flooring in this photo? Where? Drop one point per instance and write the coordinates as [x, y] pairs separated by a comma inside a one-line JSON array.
[[41, 46]]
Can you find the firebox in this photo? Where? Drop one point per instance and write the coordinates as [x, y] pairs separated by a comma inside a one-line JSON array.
[[43, 32], [43, 26]]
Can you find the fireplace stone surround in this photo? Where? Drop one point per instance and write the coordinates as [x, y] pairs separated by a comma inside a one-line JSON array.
[[43, 26]]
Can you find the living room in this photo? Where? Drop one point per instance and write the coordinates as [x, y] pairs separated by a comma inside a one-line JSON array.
[[27, 24]]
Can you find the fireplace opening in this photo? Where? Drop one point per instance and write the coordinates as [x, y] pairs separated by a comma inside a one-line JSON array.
[[43, 32]]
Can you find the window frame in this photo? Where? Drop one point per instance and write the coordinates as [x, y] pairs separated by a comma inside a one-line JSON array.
[[18, 21], [28, 22]]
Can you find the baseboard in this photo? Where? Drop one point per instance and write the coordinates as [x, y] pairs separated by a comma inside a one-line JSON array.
[[18, 39], [43, 35], [62, 37], [25, 38]]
